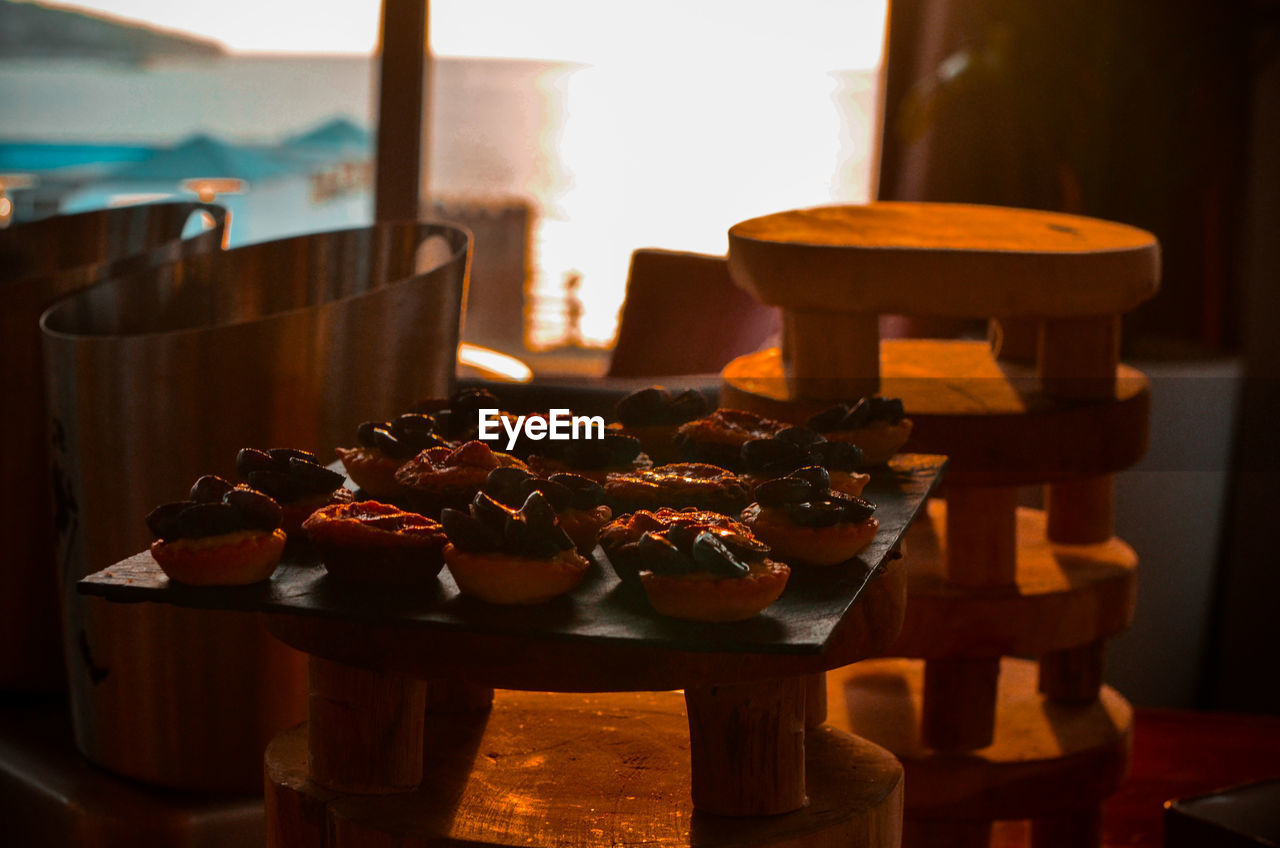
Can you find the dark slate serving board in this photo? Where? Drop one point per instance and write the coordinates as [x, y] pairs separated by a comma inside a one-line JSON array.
[[601, 609]]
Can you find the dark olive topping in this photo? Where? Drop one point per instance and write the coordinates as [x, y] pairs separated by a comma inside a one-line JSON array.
[[277, 484], [208, 519], [559, 495], [467, 533], [783, 490], [163, 520], [531, 531], [249, 460], [310, 477], [800, 436], [687, 406], [829, 419], [384, 441], [837, 456], [684, 550], [856, 508], [257, 511], [585, 493], [864, 412], [508, 485], [365, 435], [772, 456], [411, 424], [656, 406], [209, 488], [815, 475], [446, 422], [815, 513], [282, 456], [645, 406]]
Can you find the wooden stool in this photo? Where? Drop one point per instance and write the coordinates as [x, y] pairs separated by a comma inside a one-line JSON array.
[[1044, 401]]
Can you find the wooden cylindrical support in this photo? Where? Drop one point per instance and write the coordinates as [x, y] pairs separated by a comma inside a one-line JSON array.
[[831, 355], [1081, 510], [815, 699], [746, 746], [1078, 829], [1078, 357], [1014, 339], [365, 729], [457, 696], [982, 539], [960, 699], [1073, 676]]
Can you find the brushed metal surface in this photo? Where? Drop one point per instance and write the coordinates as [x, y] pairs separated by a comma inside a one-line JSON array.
[[41, 262], [158, 377]]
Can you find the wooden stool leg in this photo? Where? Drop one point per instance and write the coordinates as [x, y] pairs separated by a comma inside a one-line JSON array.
[[1073, 676], [927, 833], [1080, 511], [746, 746], [815, 700], [960, 697], [1014, 339], [1078, 357], [365, 729], [831, 355], [457, 696], [960, 694], [1077, 829]]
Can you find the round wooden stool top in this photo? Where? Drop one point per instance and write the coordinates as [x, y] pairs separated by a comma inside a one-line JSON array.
[[572, 770], [944, 259]]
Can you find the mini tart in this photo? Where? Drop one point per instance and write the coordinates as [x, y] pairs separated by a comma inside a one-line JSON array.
[[583, 525], [502, 578], [227, 559], [879, 440], [719, 437], [377, 543], [545, 466], [442, 477], [659, 441], [849, 482], [678, 485], [617, 534], [372, 470], [813, 545], [703, 596], [297, 511]]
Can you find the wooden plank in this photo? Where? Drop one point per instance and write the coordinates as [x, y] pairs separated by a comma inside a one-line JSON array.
[[601, 611]]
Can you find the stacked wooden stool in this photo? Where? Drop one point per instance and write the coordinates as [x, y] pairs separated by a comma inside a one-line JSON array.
[[983, 735]]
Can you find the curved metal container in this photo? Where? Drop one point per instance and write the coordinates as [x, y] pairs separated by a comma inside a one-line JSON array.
[[41, 262], [159, 377]]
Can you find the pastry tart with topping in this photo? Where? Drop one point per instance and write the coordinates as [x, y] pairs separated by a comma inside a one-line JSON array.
[[511, 556], [798, 447], [442, 477], [223, 535], [653, 416], [718, 438], [577, 500], [376, 543], [383, 446], [805, 521], [678, 485], [877, 425], [295, 479], [592, 458]]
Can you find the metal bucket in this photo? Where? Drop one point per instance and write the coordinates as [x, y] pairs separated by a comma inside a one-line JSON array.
[[41, 262], [159, 377]]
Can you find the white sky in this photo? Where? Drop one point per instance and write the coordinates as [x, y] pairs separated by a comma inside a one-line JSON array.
[[827, 33]]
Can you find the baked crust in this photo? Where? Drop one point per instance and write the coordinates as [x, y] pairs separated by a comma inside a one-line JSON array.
[[372, 470], [879, 440], [718, 438], [450, 477], [706, 597], [227, 559], [678, 485], [501, 578], [619, 536], [812, 545], [377, 543]]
